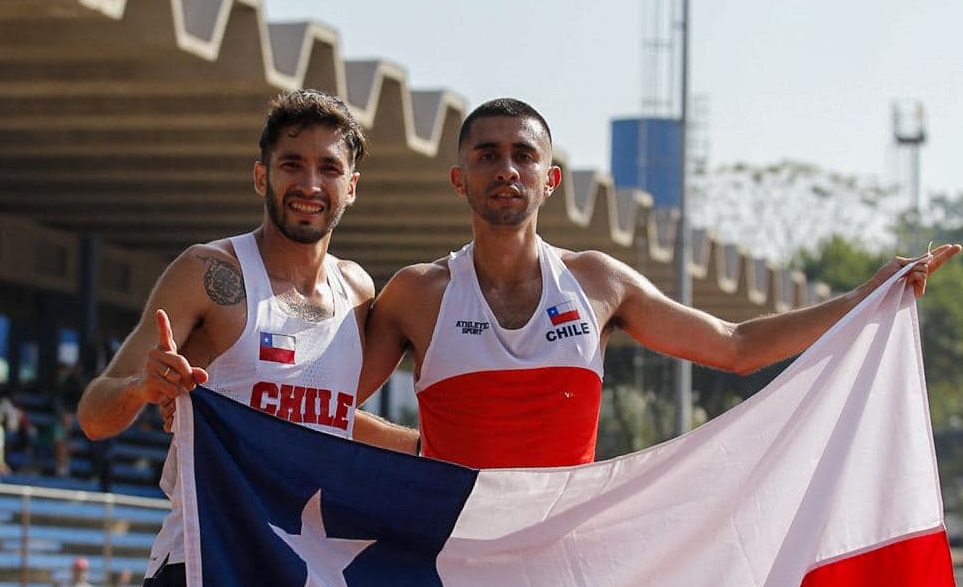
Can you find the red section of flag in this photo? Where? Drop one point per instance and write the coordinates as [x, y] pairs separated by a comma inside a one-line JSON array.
[[921, 560], [566, 317], [276, 355]]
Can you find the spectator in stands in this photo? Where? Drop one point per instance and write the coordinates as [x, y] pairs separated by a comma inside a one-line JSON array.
[[7, 412], [125, 578], [60, 441], [102, 459], [65, 395], [17, 433], [78, 573]]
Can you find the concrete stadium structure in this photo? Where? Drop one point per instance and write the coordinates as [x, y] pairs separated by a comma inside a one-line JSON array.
[[128, 130]]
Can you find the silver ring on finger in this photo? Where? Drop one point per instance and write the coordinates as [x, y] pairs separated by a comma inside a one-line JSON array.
[[166, 371]]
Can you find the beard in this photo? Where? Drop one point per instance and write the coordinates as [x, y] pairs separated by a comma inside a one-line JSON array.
[[504, 217], [305, 234]]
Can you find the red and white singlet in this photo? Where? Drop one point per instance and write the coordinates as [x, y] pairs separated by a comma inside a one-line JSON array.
[[492, 397]]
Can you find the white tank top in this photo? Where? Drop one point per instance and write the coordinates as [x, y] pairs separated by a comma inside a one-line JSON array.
[[493, 397], [301, 371]]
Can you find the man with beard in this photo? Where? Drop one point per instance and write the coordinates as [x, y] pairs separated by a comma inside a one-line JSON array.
[[507, 335], [268, 318]]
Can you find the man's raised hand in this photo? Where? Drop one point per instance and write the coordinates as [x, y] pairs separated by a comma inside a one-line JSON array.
[[167, 373]]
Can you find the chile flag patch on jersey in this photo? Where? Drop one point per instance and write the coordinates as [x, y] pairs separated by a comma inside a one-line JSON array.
[[564, 312], [278, 348]]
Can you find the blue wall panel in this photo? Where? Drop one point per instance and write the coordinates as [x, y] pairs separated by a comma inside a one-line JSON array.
[[647, 155]]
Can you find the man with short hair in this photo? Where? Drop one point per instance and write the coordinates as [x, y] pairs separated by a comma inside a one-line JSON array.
[[268, 318], [507, 335]]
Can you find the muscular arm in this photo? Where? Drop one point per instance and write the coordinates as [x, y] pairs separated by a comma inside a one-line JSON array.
[[137, 374], [401, 320], [376, 431], [369, 428], [661, 324], [385, 342], [679, 331]]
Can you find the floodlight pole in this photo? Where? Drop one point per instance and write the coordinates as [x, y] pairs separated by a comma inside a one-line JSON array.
[[910, 136], [683, 245]]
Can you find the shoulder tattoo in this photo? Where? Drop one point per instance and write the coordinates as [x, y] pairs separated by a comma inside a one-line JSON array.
[[222, 281]]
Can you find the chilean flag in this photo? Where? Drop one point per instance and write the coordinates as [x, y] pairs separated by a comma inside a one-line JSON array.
[[277, 348], [825, 478], [564, 312]]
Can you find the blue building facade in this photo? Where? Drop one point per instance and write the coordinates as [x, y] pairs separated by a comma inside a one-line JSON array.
[[647, 155]]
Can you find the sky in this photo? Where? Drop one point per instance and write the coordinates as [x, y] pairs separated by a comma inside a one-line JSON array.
[[804, 80]]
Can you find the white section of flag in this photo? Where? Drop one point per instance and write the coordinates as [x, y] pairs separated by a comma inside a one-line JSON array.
[[834, 458]]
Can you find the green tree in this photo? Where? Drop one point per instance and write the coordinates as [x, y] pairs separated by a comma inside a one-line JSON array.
[[840, 264], [637, 406], [836, 262], [843, 265], [941, 317]]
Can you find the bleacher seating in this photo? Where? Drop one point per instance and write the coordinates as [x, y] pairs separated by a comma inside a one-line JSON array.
[[67, 517], [112, 532], [136, 457]]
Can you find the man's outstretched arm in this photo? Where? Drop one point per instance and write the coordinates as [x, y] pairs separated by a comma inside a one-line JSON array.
[[666, 326]]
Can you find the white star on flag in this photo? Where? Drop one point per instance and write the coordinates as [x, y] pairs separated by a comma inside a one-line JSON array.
[[326, 558]]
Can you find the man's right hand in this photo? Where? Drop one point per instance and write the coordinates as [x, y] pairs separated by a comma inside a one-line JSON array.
[[168, 374]]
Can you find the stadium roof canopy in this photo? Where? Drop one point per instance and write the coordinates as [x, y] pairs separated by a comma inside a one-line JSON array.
[[137, 121]]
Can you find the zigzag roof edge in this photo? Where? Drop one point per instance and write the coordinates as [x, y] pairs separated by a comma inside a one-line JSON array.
[[724, 265], [111, 8], [293, 44], [708, 259], [580, 202], [429, 110], [201, 27], [367, 78]]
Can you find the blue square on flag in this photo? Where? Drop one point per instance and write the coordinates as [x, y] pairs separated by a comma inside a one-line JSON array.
[[278, 348], [290, 506], [564, 312]]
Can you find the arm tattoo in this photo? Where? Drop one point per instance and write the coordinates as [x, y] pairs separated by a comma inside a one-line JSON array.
[[223, 282]]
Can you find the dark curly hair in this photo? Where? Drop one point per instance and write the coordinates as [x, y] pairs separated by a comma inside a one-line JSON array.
[[304, 108]]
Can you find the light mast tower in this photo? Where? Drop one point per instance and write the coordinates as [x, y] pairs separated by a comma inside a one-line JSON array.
[[909, 132]]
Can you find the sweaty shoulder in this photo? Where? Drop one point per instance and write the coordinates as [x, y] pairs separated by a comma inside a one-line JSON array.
[[410, 303], [602, 277], [589, 266], [216, 265], [416, 290], [357, 279], [423, 278], [204, 296]]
